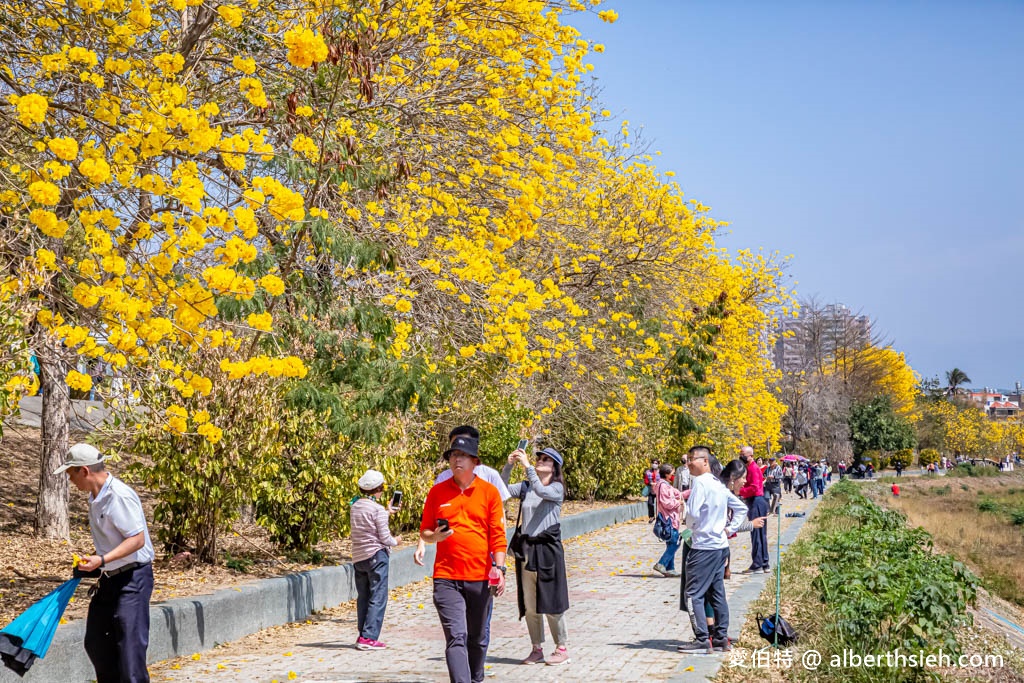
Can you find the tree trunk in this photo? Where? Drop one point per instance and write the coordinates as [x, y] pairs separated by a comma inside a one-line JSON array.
[[52, 505]]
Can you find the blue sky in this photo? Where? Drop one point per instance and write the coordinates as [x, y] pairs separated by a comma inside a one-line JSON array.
[[879, 143]]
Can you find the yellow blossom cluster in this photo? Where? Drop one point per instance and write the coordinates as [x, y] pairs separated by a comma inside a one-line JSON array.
[[442, 161]]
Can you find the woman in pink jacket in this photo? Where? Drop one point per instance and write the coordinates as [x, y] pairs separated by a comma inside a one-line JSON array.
[[669, 503]]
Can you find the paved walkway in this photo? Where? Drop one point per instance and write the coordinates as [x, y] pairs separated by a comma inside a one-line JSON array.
[[624, 624]]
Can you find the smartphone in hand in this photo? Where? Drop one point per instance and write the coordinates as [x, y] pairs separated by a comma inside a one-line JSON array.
[[442, 525], [396, 499], [523, 443]]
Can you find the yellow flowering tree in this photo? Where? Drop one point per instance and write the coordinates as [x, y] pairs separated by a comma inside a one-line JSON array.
[[343, 211]]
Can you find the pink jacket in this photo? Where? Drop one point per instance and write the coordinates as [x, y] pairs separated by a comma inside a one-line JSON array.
[[670, 501]]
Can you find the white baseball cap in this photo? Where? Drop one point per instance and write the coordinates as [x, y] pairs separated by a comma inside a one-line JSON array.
[[370, 480], [80, 455]]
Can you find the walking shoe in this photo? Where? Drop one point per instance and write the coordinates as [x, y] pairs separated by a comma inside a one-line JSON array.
[[660, 568], [536, 656], [722, 645], [750, 570], [766, 570], [368, 644], [559, 656], [696, 647], [673, 573]]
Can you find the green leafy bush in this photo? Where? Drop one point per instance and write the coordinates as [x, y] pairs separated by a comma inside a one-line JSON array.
[[966, 469], [883, 583], [988, 505], [299, 491], [904, 457], [928, 456]]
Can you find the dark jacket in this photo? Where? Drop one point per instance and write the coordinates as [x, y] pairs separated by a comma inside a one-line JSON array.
[[544, 554]]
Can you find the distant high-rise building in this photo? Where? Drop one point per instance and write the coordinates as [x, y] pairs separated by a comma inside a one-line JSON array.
[[819, 332]]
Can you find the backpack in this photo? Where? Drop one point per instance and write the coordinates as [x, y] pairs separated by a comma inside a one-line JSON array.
[[775, 627]]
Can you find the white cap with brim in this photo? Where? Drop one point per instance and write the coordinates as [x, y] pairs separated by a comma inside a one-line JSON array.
[[370, 480], [80, 455]]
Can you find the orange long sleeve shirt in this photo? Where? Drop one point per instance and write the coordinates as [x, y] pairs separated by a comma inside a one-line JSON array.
[[477, 519]]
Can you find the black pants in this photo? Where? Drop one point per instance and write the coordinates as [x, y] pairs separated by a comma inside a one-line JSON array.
[[773, 492], [788, 483], [117, 628], [464, 608], [758, 507], [705, 582]]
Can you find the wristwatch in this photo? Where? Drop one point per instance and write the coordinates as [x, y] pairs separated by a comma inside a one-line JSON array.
[[503, 569]]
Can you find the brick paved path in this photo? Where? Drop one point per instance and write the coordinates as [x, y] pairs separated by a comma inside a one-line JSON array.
[[624, 625]]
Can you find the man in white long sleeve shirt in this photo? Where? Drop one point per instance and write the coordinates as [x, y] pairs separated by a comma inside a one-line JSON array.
[[707, 517]]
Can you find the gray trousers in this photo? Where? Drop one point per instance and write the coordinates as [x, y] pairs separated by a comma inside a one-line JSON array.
[[705, 581], [464, 608], [535, 621]]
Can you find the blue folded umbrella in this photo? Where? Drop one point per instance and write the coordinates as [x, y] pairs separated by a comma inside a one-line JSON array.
[[28, 637]]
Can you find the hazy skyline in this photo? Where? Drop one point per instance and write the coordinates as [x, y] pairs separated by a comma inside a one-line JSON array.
[[879, 144]]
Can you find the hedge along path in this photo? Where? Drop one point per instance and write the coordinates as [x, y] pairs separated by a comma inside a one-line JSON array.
[[624, 624]]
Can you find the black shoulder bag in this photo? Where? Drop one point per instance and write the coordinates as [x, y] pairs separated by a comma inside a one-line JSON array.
[[515, 545]]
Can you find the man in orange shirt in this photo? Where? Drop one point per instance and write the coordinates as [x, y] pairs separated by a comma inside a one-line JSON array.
[[464, 516]]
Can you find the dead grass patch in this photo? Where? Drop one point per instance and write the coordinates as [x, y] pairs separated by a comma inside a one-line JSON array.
[[988, 541]]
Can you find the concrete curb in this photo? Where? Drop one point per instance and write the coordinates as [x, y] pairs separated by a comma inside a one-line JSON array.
[[184, 626], [706, 667]]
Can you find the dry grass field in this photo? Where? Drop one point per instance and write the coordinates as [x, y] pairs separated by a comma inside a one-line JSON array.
[[979, 520]]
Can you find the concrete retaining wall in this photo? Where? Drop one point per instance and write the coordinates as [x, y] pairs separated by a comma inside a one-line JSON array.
[[184, 626]]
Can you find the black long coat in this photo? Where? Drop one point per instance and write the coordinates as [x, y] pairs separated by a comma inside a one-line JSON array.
[[544, 554]]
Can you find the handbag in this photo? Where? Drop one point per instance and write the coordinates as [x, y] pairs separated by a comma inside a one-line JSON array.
[[774, 628], [645, 491], [515, 544], [663, 527]]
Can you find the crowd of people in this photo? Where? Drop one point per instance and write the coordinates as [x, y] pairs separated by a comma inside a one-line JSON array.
[[700, 505]]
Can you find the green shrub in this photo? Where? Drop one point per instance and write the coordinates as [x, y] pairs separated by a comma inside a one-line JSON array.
[[300, 491], [1017, 517], [928, 456], [200, 485], [905, 458], [988, 505], [966, 469], [883, 583], [602, 466]]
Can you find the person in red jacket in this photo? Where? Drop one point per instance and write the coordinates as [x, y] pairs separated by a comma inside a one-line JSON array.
[[753, 495]]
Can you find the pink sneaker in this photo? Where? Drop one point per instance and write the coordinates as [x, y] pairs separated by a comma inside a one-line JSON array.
[[367, 644], [536, 656], [559, 656]]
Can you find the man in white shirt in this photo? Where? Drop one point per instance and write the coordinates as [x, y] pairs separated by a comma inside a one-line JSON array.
[[117, 627], [707, 516]]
